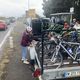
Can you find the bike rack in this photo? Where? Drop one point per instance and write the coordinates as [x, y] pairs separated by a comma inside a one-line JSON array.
[[42, 40]]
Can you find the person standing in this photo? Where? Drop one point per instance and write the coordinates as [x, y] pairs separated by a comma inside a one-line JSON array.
[[25, 42], [77, 25]]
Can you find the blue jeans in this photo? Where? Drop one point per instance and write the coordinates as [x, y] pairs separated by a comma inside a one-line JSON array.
[[24, 52]]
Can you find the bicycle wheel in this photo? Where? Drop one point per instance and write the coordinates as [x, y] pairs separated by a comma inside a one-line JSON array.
[[57, 60], [39, 50], [48, 50], [78, 54]]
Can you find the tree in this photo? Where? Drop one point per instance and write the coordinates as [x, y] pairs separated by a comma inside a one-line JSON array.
[[52, 6], [77, 9], [57, 6]]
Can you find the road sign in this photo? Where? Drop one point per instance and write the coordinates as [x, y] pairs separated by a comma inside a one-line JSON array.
[[72, 10], [32, 13]]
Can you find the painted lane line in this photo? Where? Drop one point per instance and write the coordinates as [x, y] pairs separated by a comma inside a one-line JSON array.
[[7, 35]]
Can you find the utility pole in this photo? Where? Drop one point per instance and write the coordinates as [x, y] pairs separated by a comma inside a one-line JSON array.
[[28, 8], [28, 5]]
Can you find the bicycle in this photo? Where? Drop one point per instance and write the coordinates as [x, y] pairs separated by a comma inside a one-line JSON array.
[[48, 49], [74, 54]]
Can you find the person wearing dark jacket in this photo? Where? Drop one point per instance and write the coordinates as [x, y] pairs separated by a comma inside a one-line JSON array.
[[25, 42]]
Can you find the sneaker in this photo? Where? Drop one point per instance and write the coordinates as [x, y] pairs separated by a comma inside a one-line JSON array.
[[23, 59], [25, 62]]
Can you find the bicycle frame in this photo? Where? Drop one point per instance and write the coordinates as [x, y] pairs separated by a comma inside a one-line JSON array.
[[61, 45]]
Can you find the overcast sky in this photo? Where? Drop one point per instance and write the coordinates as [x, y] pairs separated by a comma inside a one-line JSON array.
[[18, 7]]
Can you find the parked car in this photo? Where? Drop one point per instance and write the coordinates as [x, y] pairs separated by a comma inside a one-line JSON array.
[[12, 19], [45, 23], [7, 21], [3, 25], [36, 25]]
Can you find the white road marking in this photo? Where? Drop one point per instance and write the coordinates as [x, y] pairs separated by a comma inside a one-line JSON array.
[[7, 35]]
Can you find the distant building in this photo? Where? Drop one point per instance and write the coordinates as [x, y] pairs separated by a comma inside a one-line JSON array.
[[2, 18], [31, 13]]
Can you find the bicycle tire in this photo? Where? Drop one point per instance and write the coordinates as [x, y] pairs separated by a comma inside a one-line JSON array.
[[78, 55], [59, 56]]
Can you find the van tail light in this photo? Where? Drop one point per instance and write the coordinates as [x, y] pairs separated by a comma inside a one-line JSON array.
[[37, 73]]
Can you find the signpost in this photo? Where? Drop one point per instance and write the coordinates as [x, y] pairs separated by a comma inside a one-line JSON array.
[[71, 11]]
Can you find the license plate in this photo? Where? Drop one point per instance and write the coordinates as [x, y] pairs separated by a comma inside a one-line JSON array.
[[72, 74]]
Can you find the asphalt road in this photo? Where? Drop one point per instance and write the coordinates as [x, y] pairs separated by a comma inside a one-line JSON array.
[[4, 34], [15, 69]]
